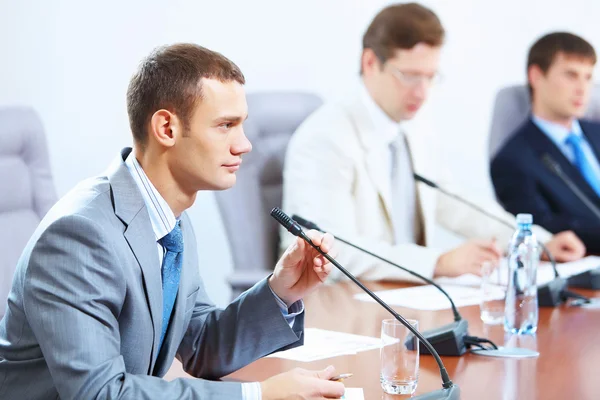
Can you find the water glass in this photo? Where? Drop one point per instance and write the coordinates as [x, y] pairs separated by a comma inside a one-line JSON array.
[[399, 365], [493, 293]]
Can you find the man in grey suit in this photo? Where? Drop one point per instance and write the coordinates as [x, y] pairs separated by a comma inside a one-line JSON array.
[[108, 290]]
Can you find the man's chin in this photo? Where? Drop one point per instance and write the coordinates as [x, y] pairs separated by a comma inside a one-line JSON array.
[[226, 183], [408, 115], [578, 112]]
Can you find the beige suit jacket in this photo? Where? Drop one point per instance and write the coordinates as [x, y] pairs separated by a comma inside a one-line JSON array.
[[335, 175]]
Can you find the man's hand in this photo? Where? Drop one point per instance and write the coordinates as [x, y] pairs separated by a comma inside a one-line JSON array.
[[302, 384], [565, 246], [301, 269], [467, 258]]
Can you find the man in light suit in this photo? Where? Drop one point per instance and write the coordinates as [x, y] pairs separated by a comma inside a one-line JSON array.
[[357, 157], [108, 290]]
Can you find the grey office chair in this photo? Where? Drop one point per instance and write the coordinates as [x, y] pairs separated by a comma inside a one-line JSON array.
[[252, 233], [26, 188], [512, 107]]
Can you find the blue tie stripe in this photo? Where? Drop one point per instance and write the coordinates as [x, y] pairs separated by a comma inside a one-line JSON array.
[[171, 272], [582, 162]]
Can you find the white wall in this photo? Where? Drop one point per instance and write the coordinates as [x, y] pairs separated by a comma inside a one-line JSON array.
[[72, 60]]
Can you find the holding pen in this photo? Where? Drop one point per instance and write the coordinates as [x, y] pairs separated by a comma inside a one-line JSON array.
[[340, 378]]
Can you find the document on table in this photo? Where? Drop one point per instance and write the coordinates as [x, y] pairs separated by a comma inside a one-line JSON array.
[[354, 394], [544, 275], [427, 297], [320, 344], [566, 270], [464, 289]]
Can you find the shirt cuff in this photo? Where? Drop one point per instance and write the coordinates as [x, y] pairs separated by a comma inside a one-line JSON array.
[[289, 313], [251, 391]]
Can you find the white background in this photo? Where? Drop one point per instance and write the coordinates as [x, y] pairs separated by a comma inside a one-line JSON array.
[[72, 60]]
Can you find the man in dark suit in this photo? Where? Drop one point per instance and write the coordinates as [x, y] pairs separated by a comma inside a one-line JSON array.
[[108, 290], [559, 69]]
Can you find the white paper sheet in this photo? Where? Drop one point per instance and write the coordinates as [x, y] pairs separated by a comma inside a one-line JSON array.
[[465, 289], [427, 297], [354, 394], [320, 344], [545, 272]]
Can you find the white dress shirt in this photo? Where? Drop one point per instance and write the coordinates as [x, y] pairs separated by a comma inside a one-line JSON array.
[[163, 221]]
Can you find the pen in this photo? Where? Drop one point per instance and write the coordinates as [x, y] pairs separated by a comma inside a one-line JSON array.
[[341, 377]]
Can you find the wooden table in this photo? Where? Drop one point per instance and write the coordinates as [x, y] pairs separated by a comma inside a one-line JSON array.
[[568, 341]]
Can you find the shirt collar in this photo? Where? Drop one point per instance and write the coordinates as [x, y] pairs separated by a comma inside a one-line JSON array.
[[161, 216], [558, 133], [387, 130]]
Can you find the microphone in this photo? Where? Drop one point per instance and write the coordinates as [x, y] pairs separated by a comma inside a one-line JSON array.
[[551, 294], [450, 390], [555, 168], [448, 340], [311, 225], [589, 279]]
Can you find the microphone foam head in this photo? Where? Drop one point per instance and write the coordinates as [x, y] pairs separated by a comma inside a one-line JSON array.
[[286, 221]]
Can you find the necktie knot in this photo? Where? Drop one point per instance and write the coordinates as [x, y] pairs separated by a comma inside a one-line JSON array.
[[173, 241], [573, 140]]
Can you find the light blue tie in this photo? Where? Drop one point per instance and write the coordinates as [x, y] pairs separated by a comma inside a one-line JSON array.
[[171, 272], [582, 162]]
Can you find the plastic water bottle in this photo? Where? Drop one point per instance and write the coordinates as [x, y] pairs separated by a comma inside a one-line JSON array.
[[521, 306]]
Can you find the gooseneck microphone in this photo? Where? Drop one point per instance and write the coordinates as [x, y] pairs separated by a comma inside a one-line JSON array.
[[549, 295], [450, 390], [448, 340], [555, 168], [311, 225], [589, 279]]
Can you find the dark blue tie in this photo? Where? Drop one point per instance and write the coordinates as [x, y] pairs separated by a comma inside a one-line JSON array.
[[171, 271], [582, 161]]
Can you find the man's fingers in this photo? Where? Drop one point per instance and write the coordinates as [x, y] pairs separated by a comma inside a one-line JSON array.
[[326, 373], [320, 260], [489, 245], [315, 236], [566, 255], [299, 246], [327, 242], [482, 255], [331, 390]]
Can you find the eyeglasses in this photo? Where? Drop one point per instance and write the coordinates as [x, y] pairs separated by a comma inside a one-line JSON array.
[[414, 79]]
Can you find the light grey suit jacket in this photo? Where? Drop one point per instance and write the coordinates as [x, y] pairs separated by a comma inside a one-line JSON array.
[[85, 308]]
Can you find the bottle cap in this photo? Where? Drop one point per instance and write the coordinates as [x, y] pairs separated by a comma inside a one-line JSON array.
[[524, 219]]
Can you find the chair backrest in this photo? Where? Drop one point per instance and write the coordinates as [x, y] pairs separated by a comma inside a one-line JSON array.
[[26, 188], [253, 234], [512, 107]]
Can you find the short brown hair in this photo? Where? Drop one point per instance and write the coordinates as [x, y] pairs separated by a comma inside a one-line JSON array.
[[402, 26], [545, 49], [170, 78]]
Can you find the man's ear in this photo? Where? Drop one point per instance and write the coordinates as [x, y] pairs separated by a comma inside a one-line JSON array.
[[164, 127], [534, 75]]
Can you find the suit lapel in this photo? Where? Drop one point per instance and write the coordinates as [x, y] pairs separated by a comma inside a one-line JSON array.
[[375, 164], [139, 235], [543, 145], [131, 210]]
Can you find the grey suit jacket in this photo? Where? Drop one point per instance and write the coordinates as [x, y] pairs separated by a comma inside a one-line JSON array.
[[85, 308]]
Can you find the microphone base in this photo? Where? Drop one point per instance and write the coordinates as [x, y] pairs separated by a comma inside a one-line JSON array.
[[452, 393], [447, 340], [586, 280], [551, 294]]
